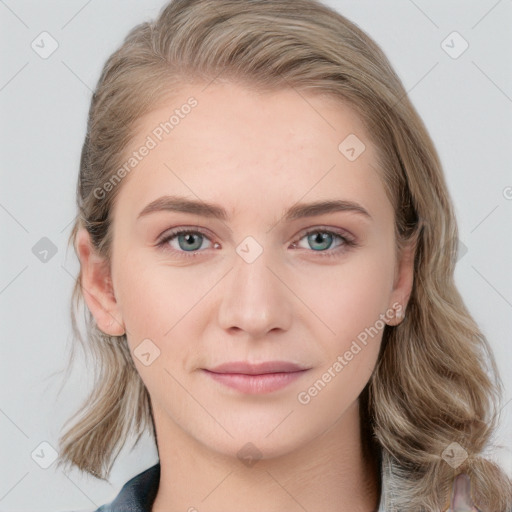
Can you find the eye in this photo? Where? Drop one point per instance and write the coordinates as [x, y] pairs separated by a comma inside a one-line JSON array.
[[189, 242], [321, 241], [185, 240]]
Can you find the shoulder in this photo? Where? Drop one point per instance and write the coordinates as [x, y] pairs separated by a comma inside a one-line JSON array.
[[138, 494]]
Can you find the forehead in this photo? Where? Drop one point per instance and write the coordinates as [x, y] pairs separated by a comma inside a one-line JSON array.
[[230, 144]]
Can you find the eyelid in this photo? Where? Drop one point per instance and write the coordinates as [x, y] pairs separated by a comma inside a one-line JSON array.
[[188, 228]]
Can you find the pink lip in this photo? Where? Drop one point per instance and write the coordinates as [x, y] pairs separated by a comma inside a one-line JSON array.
[[256, 378]]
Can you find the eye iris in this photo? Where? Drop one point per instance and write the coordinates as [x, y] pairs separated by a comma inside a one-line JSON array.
[[186, 241], [325, 239]]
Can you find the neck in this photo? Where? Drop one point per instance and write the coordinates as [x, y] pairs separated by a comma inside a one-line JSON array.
[[332, 473]]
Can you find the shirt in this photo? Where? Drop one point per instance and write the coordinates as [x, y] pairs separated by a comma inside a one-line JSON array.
[[138, 494]]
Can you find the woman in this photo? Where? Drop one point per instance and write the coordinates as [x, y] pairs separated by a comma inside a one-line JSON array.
[[267, 249]]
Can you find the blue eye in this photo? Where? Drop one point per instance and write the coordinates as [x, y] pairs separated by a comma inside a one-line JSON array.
[[321, 241], [187, 242]]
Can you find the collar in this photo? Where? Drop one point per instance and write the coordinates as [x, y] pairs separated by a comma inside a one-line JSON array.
[[138, 494]]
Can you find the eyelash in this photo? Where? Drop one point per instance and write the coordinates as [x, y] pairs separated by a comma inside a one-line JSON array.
[[348, 242]]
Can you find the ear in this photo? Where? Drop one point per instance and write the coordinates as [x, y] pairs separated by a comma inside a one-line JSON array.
[[97, 286], [404, 278]]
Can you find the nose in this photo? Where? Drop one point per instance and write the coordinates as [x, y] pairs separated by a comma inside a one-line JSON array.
[[254, 299]]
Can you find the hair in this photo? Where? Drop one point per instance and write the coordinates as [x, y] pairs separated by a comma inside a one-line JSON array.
[[436, 381]]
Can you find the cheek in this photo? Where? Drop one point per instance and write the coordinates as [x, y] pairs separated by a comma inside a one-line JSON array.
[[352, 305], [154, 297], [349, 298], [154, 302], [163, 304], [141, 303]]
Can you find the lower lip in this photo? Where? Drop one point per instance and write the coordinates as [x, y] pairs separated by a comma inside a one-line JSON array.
[[256, 384]]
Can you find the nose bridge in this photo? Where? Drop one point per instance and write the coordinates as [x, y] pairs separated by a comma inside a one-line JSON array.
[[254, 300]]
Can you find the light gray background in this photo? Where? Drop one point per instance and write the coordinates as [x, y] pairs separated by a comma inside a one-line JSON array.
[[465, 102]]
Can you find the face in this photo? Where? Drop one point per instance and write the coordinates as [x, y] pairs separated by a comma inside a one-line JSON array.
[[256, 318]]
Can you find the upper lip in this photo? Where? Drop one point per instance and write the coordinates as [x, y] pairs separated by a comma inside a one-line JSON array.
[[247, 368]]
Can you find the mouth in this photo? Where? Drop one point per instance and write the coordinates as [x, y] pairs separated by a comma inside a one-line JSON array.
[[257, 378]]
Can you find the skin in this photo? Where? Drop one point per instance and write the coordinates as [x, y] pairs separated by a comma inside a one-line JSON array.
[[256, 155]]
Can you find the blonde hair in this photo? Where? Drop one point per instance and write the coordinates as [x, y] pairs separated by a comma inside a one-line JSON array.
[[436, 380]]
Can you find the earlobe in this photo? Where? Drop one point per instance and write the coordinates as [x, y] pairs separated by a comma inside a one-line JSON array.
[[97, 286], [398, 315]]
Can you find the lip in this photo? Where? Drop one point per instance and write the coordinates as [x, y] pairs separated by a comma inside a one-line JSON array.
[[256, 378], [257, 368]]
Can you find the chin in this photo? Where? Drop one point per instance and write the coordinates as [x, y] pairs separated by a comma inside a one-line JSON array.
[[252, 444]]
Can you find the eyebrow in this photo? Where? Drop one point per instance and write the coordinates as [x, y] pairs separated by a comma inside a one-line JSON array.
[[210, 210]]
